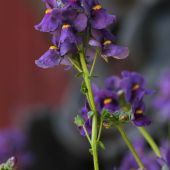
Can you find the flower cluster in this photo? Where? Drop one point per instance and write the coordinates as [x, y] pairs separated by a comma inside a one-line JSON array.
[[162, 101], [74, 24], [122, 98]]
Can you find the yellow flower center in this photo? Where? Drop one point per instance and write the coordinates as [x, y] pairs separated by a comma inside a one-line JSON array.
[[53, 47], [135, 87], [107, 42], [66, 26], [107, 101], [139, 111], [48, 11], [97, 7]]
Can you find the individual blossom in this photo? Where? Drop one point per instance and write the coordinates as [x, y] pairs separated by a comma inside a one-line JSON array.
[[138, 117], [104, 40], [134, 86], [52, 58], [98, 16], [51, 20], [106, 99]]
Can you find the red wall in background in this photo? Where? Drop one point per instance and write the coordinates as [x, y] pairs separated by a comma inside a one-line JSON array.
[[22, 84]]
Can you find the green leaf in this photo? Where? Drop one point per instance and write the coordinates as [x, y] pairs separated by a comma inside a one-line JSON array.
[[105, 114], [101, 145], [84, 89], [78, 121], [90, 114]]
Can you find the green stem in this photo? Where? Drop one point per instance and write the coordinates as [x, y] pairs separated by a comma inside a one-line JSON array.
[[131, 148], [87, 135], [94, 62], [100, 129], [150, 141], [75, 65], [86, 77]]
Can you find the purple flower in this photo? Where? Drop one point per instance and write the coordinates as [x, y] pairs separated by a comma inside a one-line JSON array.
[[112, 83], [133, 85], [99, 18], [51, 20], [139, 118], [148, 160], [105, 41], [165, 153], [106, 99], [51, 58], [14, 144]]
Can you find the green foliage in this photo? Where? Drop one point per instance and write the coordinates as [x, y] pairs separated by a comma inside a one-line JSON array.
[[90, 114], [78, 121]]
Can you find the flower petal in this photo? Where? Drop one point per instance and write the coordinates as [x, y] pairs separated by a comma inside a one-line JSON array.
[[115, 51], [80, 23], [101, 19], [48, 59]]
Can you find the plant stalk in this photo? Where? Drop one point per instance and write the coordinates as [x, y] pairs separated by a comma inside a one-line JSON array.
[[86, 77], [150, 141], [131, 148]]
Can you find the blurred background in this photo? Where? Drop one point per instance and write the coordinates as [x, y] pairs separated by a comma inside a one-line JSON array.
[[39, 105]]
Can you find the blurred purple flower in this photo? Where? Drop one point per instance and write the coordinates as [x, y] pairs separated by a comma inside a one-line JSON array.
[[139, 118], [165, 153], [162, 100], [149, 160], [14, 144]]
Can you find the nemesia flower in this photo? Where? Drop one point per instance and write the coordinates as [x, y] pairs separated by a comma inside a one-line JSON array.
[[99, 18], [149, 160], [139, 118], [124, 94], [133, 85], [51, 20], [14, 144], [51, 58], [165, 154], [106, 99], [112, 83], [105, 41], [69, 21]]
